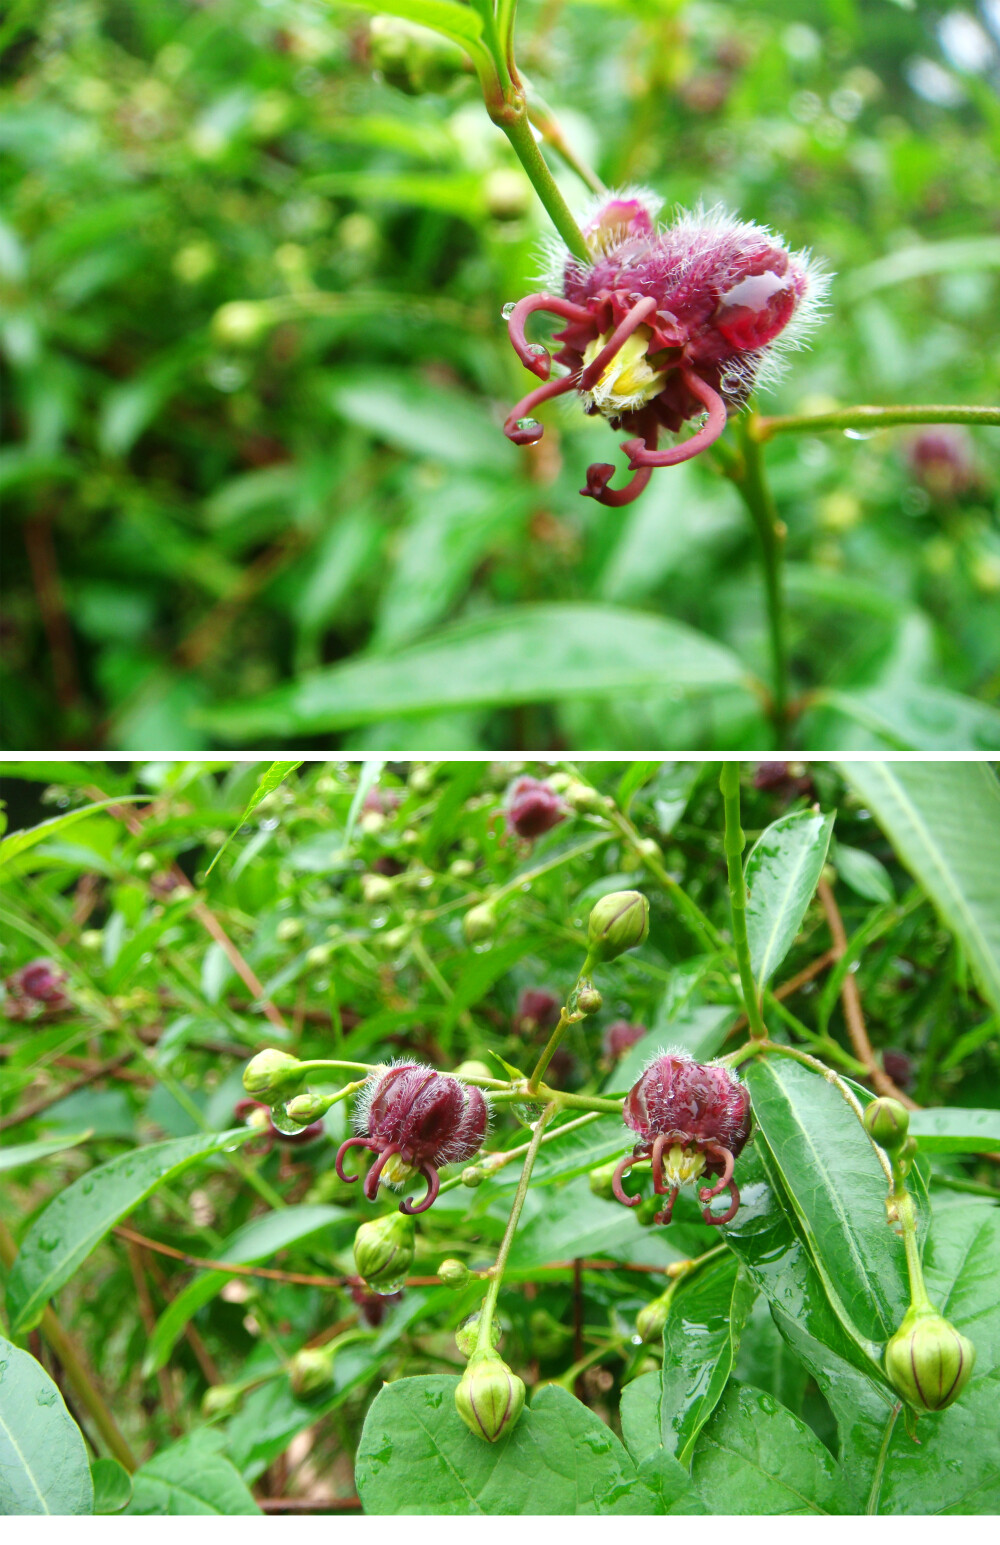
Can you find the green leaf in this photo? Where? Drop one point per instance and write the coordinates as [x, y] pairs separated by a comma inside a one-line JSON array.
[[756, 1457], [416, 1456], [368, 776], [43, 1462], [943, 819], [459, 22], [18, 842], [75, 1221], [700, 1342], [863, 873], [954, 1130], [30, 1153], [829, 1170], [256, 1241], [112, 1486], [272, 779], [529, 655], [640, 1416], [188, 1478], [782, 872]]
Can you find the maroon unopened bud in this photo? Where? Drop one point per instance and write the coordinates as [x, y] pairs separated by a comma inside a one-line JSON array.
[[942, 461], [899, 1068], [618, 922], [660, 325], [39, 982], [489, 1398], [533, 808], [373, 1307], [620, 1036], [691, 1119], [537, 1009], [415, 1120]]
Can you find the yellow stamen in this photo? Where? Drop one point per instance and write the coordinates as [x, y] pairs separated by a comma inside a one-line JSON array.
[[396, 1170], [682, 1164], [628, 381]]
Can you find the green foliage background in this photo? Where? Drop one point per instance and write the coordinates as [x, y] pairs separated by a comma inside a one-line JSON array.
[[212, 512]]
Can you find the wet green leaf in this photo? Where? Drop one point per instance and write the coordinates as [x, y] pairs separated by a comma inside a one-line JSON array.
[[43, 1462], [700, 1342], [782, 872]]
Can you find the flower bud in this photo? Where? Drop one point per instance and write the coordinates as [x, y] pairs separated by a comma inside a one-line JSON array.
[[928, 1361], [473, 1176], [310, 1371], [619, 922], [533, 808], [319, 955], [467, 1334], [307, 1107], [221, 1400], [649, 1322], [887, 1122], [588, 999], [462, 868], [490, 1397], [601, 1178], [480, 923], [454, 1274], [474, 1069], [620, 1037], [582, 797], [273, 1076], [375, 889], [648, 848], [383, 1251], [289, 928]]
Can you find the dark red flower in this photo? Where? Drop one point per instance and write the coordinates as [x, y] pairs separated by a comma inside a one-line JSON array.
[[662, 325], [942, 461], [415, 1119], [40, 981], [620, 1036], [373, 1306], [899, 1068], [692, 1119], [533, 808], [785, 778], [269, 1132], [537, 1009]]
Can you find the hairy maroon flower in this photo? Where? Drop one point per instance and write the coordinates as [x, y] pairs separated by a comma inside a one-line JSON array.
[[537, 1009], [372, 1306], [533, 808], [39, 982], [942, 461], [663, 324], [692, 1119], [415, 1119], [620, 1036], [245, 1110]]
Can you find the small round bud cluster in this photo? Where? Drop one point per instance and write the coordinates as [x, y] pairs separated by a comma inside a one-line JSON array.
[[415, 1119], [489, 1398], [928, 1361], [383, 1251], [618, 922], [533, 808], [691, 1119], [37, 988]]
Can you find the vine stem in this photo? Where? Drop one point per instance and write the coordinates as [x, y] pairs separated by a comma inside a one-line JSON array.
[[73, 1366], [761, 429], [749, 475], [734, 841], [484, 1339], [513, 120]]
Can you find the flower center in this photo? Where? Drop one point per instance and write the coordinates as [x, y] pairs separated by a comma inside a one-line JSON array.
[[395, 1170], [681, 1164], [628, 381]]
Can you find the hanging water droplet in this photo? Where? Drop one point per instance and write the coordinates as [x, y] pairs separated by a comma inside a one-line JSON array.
[[284, 1123], [859, 434], [636, 1341], [538, 349], [508, 309], [528, 423]]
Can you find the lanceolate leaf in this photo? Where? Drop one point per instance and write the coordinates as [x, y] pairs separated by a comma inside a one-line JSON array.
[[944, 821], [416, 1456], [782, 872], [830, 1171], [76, 1221], [756, 1457], [257, 1241], [190, 1477], [700, 1341], [272, 779], [951, 1130], [43, 1462], [18, 842], [30, 1153]]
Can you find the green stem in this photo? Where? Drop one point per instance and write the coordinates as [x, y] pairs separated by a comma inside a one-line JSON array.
[[870, 418], [751, 481], [551, 1046], [516, 1153], [729, 783], [512, 118], [483, 1339]]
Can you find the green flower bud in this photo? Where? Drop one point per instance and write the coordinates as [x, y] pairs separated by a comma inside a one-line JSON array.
[[221, 1400], [928, 1361], [413, 58], [582, 797], [289, 928], [462, 868], [549, 1338], [490, 1397], [273, 1076], [376, 889], [397, 938], [474, 1070], [618, 922], [588, 1000], [310, 1372], [649, 1322], [307, 1107], [92, 938], [600, 1179], [454, 1274], [319, 955], [887, 1122], [480, 923], [473, 1176], [239, 322], [467, 1334], [648, 848], [383, 1251]]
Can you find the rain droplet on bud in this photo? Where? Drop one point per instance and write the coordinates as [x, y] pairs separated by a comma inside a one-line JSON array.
[[538, 349], [507, 311], [528, 423], [284, 1123]]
